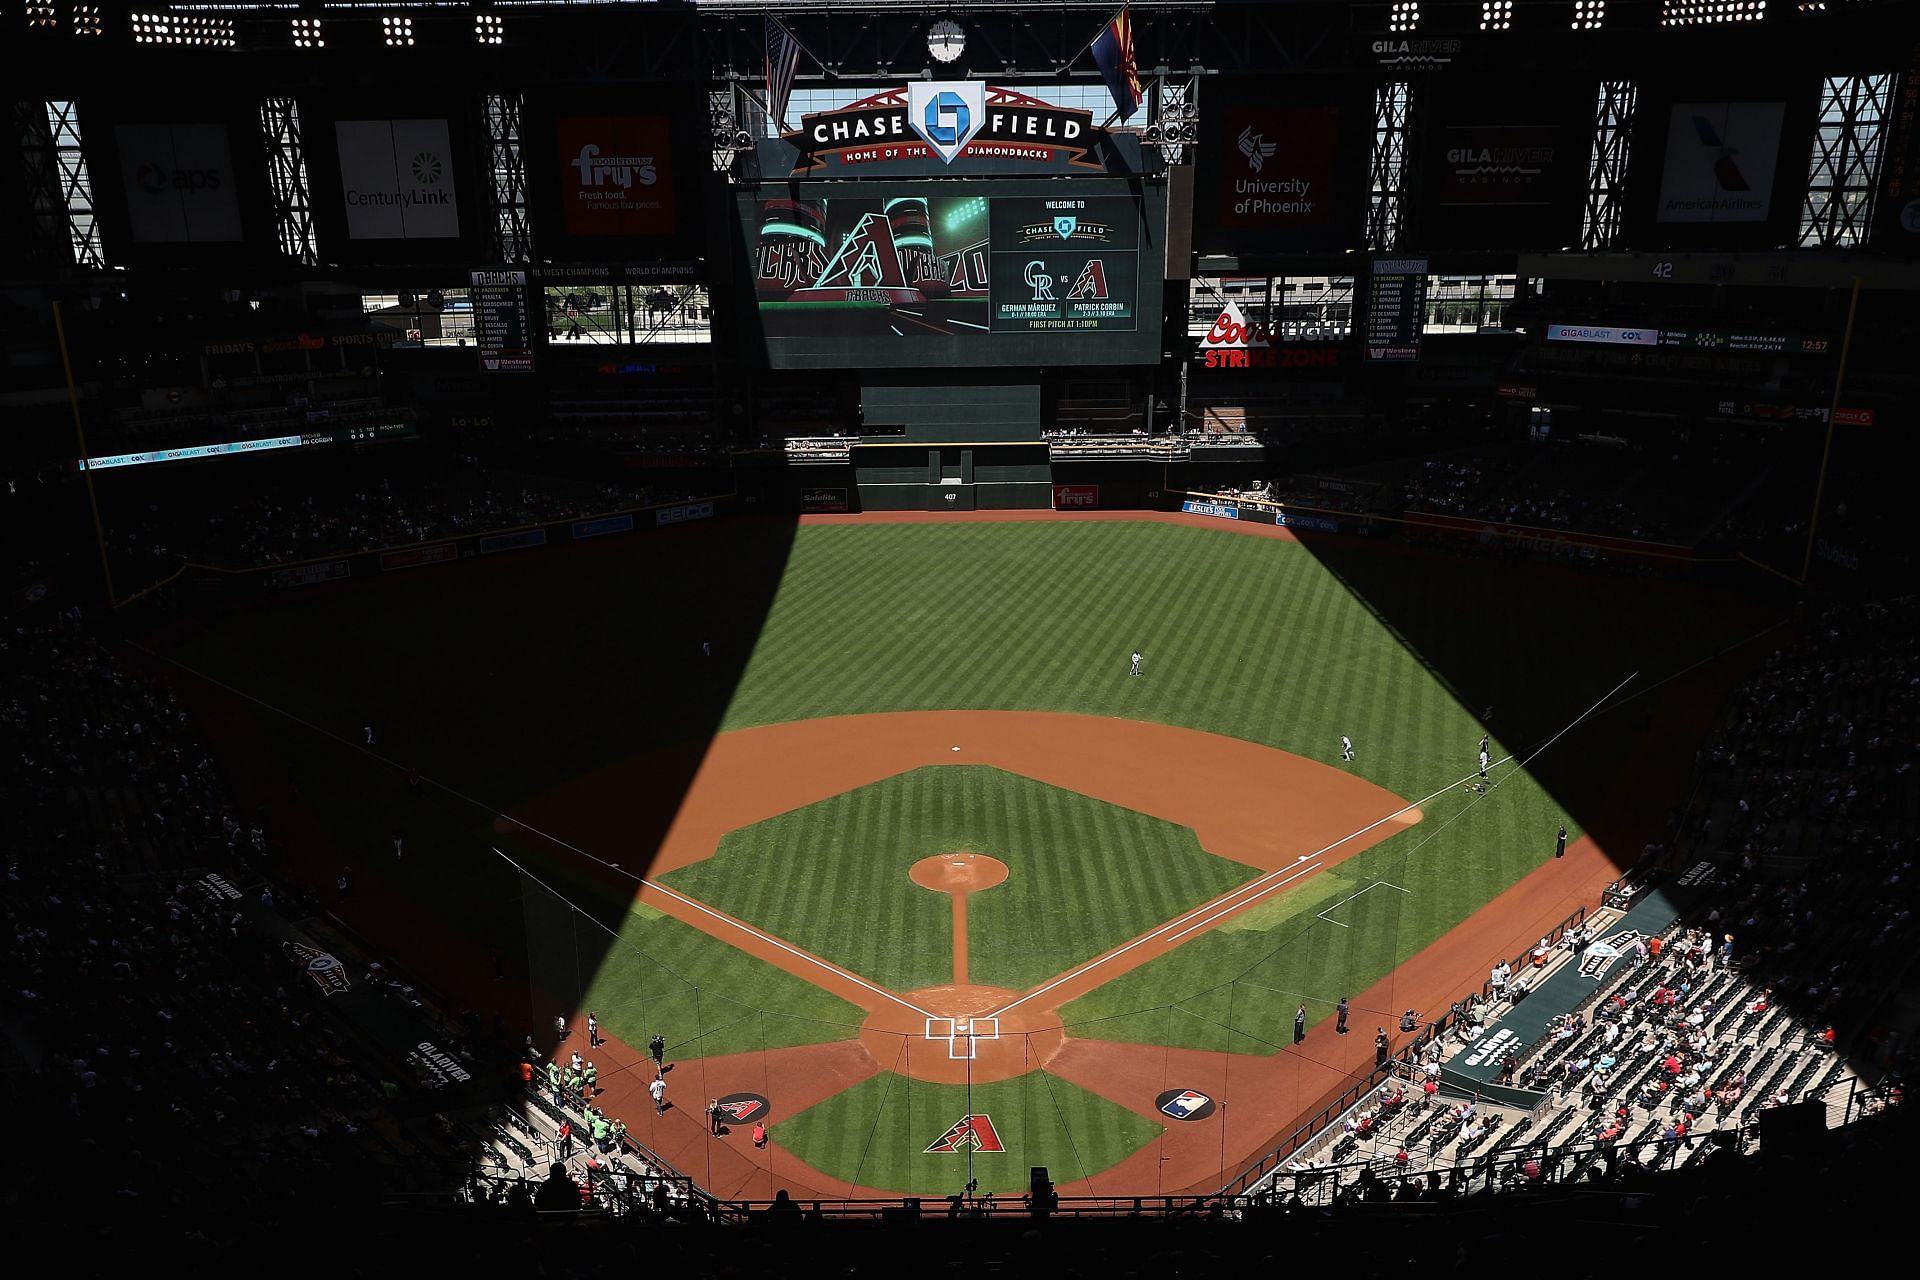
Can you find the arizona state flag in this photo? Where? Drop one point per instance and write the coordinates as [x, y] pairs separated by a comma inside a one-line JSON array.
[[1113, 52]]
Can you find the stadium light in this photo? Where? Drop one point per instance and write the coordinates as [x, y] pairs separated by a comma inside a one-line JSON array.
[[398, 29], [1496, 15], [40, 15], [307, 35], [489, 28], [1589, 15], [86, 20], [1694, 13], [161, 28], [1404, 16]]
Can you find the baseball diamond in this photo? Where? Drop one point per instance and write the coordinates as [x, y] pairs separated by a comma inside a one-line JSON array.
[[927, 854]]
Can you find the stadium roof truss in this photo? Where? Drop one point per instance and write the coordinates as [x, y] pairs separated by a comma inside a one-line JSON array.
[[1844, 169]]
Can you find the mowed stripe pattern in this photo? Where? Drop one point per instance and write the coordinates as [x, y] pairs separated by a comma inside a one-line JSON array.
[[1083, 876], [1250, 637]]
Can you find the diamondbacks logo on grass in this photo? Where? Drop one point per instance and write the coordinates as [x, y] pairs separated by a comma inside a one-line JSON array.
[[976, 1132], [1185, 1104], [743, 1107]]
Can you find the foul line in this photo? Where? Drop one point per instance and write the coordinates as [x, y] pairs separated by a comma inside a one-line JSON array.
[[697, 905], [1293, 873], [457, 794]]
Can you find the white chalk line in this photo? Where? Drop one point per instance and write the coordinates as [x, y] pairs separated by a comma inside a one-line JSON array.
[[1230, 908], [1322, 913], [722, 917], [769, 939]]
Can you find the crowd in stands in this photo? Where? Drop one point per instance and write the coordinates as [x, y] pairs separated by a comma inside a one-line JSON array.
[[187, 1055], [247, 529], [1783, 986]]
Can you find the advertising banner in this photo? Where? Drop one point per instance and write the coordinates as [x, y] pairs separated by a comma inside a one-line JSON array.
[[1610, 334], [179, 183], [1217, 510], [1301, 520], [823, 500], [1503, 165], [1495, 165], [1278, 170], [1284, 157], [1234, 342], [928, 126], [616, 175], [1897, 214], [683, 513], [396, 178], [301, 575], [512, 541], [1075, 497], [602, 525], [1720, 161], [414, 557]]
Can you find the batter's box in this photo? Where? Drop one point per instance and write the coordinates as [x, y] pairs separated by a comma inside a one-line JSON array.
[[961, 1033]]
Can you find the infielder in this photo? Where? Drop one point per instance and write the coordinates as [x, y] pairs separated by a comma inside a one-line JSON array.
[[1134, 667], [1346, 747]]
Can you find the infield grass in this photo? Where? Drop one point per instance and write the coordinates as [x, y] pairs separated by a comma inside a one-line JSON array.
[[1083, 876]]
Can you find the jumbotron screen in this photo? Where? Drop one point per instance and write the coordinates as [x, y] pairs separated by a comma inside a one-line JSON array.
[[852, 275]]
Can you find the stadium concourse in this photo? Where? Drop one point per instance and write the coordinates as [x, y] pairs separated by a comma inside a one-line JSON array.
[[1547, 349]]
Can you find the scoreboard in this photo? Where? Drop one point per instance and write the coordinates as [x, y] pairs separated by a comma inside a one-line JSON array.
[[942, 274]]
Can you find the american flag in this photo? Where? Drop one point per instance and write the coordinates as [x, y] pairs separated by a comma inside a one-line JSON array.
[[783, 59]]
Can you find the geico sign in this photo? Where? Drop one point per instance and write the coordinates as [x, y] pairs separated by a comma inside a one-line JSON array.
[[156, 178]]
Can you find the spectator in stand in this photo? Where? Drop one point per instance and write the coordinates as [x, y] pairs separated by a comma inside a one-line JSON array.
[[559, 1193]]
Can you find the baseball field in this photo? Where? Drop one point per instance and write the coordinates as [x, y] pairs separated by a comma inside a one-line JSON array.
[[869, 820]]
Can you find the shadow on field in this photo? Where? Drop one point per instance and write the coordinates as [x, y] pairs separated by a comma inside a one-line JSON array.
[[481, 684], [1527, 647]]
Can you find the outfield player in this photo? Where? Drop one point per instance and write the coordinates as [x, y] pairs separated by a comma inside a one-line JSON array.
[[1134, 667], [1346, 747]]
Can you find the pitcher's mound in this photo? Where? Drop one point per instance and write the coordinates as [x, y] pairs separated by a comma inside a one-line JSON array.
[[958, 872]]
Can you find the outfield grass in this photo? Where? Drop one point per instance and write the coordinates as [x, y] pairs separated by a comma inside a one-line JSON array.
[[876, 1133], [1083, 876]]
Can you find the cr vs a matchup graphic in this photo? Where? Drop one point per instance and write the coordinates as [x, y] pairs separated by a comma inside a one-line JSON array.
[[913, 265]]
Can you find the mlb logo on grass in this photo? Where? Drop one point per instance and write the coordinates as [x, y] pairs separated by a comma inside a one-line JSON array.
[[946, 113], [1184, 1104]]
